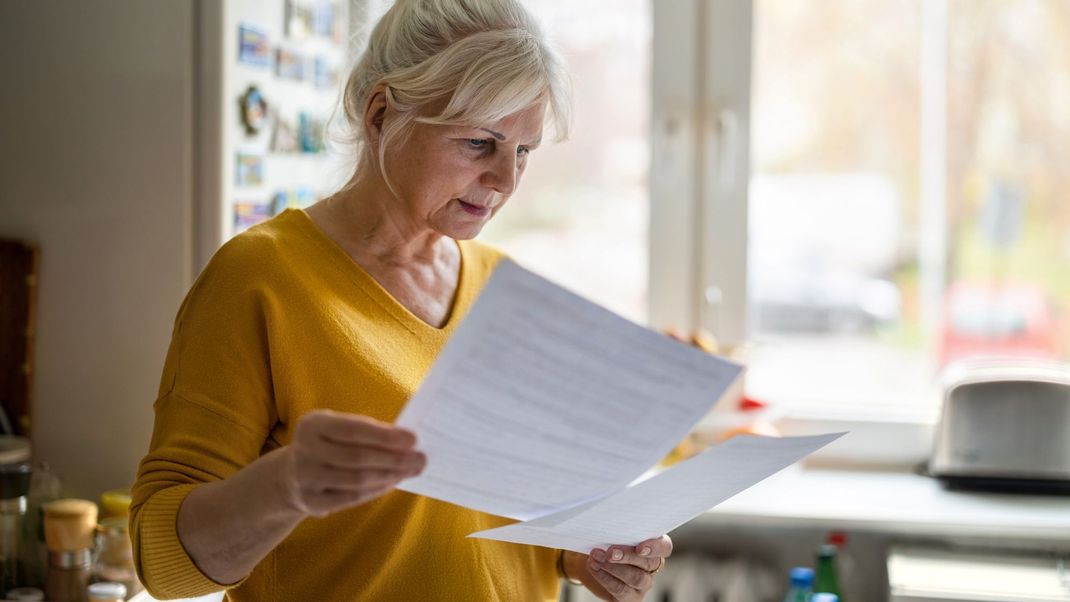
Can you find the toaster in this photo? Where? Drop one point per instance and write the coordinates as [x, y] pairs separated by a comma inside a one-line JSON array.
[[1005, 427]]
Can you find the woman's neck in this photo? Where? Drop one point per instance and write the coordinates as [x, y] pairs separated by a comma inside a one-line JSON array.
[[367, 221]]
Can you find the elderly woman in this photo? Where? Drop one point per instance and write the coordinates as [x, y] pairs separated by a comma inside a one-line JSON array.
[[274, 461]]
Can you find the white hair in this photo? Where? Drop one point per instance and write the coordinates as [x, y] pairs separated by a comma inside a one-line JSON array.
[[482, 60]]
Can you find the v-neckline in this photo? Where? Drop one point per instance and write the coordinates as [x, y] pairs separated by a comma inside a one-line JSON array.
[[378, 292]]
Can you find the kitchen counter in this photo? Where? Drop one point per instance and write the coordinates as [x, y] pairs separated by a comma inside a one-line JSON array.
[[891, 502]]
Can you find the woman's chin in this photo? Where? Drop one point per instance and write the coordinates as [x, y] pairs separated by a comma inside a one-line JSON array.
[[462, 231]]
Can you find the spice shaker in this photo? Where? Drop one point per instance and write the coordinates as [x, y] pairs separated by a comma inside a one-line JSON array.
[[69, 528]]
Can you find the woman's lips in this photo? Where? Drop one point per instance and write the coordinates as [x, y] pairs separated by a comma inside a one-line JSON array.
[[475, 210]]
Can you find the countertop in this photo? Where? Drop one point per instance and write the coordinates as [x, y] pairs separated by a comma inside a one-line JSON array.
[[894, 502]]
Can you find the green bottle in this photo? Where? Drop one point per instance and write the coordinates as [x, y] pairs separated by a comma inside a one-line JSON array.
[[826, 580]]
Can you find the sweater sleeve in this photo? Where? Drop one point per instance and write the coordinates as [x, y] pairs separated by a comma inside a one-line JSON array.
[[213, 415]]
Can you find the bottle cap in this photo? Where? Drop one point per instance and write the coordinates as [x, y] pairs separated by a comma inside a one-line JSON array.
[[106, 590], [802, 575], [115, 502], [837, 538], [823, 597], [826, 549]]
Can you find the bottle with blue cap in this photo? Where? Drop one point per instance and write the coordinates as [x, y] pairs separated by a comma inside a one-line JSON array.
[[824, 597], [802, 584]]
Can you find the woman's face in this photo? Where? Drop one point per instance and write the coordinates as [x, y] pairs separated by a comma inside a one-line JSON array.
[[453, 179]]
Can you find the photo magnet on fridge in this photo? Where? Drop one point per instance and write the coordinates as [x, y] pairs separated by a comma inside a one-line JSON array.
[[297, 20], [289, 64], [250, 170], [284, 136], [253, 47], [324, 75], [254, 110], [248, 213]]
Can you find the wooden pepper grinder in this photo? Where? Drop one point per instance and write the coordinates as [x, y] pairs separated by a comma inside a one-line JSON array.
[[69, 528]]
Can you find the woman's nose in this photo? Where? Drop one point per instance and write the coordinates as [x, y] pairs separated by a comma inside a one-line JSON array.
[[502, 176]]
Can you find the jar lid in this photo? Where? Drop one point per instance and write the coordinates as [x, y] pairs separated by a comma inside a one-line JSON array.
[[70, 507], [115, 502], [14, 449], [25, 593], [107, 590]]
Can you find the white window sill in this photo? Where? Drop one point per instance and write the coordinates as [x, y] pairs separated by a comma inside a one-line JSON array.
[[890, 502]]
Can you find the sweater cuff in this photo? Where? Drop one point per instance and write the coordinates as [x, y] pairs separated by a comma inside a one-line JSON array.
[[167, 569]]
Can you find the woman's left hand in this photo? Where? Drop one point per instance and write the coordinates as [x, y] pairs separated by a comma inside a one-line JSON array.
[[626, 573]]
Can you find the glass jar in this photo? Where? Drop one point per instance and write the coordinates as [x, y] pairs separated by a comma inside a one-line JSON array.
[[15, 474], [114, 560]]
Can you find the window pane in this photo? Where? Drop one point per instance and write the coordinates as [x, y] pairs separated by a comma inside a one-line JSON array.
[[838, 308], [1008, 183], [580, 213]]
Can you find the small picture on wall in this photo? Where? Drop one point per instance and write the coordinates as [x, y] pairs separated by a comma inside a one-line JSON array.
[[250, 170], [253, 47], [289, 64]]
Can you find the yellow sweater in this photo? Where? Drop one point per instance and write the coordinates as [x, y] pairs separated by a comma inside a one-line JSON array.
[[282, 322]]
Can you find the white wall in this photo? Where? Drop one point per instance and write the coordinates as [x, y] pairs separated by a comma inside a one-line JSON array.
[[95, 167]]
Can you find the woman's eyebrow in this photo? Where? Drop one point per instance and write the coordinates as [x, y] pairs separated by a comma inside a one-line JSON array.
[[500, 136]]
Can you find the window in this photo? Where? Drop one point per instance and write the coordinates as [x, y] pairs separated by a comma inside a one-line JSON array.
[[901, 198], [580, 214]]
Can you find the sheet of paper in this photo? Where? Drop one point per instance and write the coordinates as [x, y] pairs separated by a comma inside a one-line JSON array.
[[667, 500], [542, 401]]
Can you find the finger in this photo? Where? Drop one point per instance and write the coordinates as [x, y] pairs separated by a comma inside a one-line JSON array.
[[356, 457], [612, 584], [633, 576], [630, 555], [655, 548], [327, 478], [323, 503], [356, 429], [676, 335]]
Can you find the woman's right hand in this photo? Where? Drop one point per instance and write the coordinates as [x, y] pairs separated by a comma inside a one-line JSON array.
[[339, 460], [335, 461]]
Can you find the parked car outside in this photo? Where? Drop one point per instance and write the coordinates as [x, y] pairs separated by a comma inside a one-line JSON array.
[[997, 319]]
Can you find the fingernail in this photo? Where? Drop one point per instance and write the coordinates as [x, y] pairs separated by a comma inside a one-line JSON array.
[[644, 552], [617, 555], [599, 555]]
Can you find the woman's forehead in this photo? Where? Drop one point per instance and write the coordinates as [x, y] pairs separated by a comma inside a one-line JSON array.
[[524, 125]]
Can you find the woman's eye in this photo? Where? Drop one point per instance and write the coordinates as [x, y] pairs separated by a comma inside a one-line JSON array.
[[522, 151], [479, 143]]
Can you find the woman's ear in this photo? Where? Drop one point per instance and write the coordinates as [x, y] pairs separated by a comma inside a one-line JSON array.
[[374, 115]]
